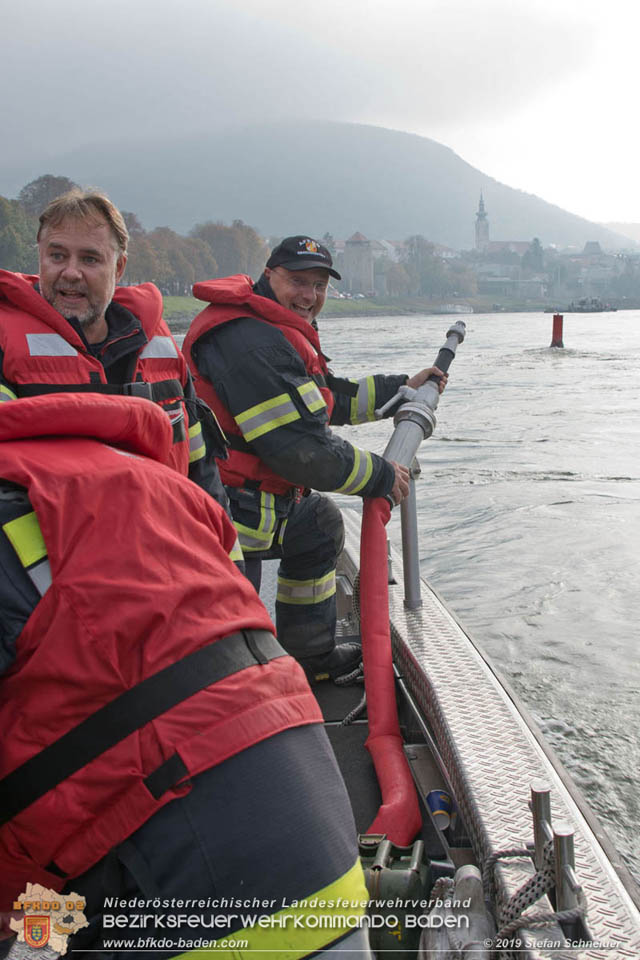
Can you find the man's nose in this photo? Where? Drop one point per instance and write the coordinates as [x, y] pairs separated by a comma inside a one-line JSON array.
[[309, 292], [72, 269]]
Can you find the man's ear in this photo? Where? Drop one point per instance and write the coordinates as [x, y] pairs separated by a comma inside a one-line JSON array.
[[121, 263]]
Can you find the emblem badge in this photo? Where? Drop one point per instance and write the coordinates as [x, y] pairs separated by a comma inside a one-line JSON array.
[[37, 930]]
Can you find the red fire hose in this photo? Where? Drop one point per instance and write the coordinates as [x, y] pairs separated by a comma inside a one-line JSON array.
[[399, 815]]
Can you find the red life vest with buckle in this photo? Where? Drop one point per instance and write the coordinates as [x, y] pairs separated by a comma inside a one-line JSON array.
[[139, 580], [229, 298], [41, 348]]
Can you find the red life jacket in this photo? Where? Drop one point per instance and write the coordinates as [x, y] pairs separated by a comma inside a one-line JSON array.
[[41, 347], [233, 297], [140, 579]]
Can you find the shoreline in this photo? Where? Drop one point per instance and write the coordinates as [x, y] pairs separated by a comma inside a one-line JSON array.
[[180, 311]]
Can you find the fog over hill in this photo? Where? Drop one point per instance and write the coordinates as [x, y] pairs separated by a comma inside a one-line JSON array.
[[631, 230], [316, 177]]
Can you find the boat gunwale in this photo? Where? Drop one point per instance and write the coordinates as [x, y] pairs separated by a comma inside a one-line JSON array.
[[594, 848]]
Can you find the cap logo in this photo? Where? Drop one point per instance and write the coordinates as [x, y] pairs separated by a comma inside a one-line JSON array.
[[310, 247]]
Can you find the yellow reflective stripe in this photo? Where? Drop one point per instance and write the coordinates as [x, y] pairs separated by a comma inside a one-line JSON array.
[[300, 930], [311, 396], [197, 448], [6, 394], [26, 538], [283, 527], [260, 538], [363, 405], [267, 512], [306, 591], [251, 539], [236, 551], [361, 473], [260, 418]]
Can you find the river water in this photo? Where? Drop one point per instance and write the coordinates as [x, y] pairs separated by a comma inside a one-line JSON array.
[[529, 516]]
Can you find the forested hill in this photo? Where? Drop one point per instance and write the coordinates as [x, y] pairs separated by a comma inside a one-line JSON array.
[[316, 178]]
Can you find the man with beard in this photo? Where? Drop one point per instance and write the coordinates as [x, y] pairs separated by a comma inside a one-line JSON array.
[[72, 329]]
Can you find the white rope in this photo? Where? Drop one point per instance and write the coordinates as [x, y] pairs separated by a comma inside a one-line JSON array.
[[531, 891]]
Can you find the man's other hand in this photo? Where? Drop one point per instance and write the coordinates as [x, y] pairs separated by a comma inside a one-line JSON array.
[[400, 488], [419, 378]]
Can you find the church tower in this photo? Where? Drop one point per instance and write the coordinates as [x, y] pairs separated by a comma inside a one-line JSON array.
[[482, 228]]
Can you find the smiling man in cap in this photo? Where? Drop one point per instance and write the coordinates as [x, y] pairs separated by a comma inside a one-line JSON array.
[[256, 359]]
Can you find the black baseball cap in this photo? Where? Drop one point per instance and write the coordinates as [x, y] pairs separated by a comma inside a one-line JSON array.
[[301, 253]]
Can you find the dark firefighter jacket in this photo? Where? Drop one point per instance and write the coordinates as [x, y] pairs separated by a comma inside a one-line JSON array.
[[261, 369]]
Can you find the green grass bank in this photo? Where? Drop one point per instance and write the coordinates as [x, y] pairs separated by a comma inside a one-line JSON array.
[[180, 311]]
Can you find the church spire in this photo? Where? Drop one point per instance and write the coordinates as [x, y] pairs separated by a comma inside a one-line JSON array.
[[482, 227]]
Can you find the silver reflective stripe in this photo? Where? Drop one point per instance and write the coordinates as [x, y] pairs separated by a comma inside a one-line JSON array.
[[41, 576], [267, 512], [267, 416], [49, 345], [306, 591], [311, 396], [364, 403], [159, 347], [360, 474], [283, 527]]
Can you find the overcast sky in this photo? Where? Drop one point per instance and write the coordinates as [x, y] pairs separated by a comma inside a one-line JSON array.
[[538, 94]]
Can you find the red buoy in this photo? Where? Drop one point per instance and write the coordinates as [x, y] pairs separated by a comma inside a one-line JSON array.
[[556, 336]]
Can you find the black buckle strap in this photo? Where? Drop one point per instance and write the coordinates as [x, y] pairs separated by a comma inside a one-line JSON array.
[[129, 712], [295, 493], [137, 389], [167, 775], [159, 391]]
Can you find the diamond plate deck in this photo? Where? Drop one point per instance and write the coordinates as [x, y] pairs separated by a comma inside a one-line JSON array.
[[492, 756]]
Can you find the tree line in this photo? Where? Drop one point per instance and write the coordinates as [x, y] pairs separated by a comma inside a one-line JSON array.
[[172, 261], [212, 249]]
